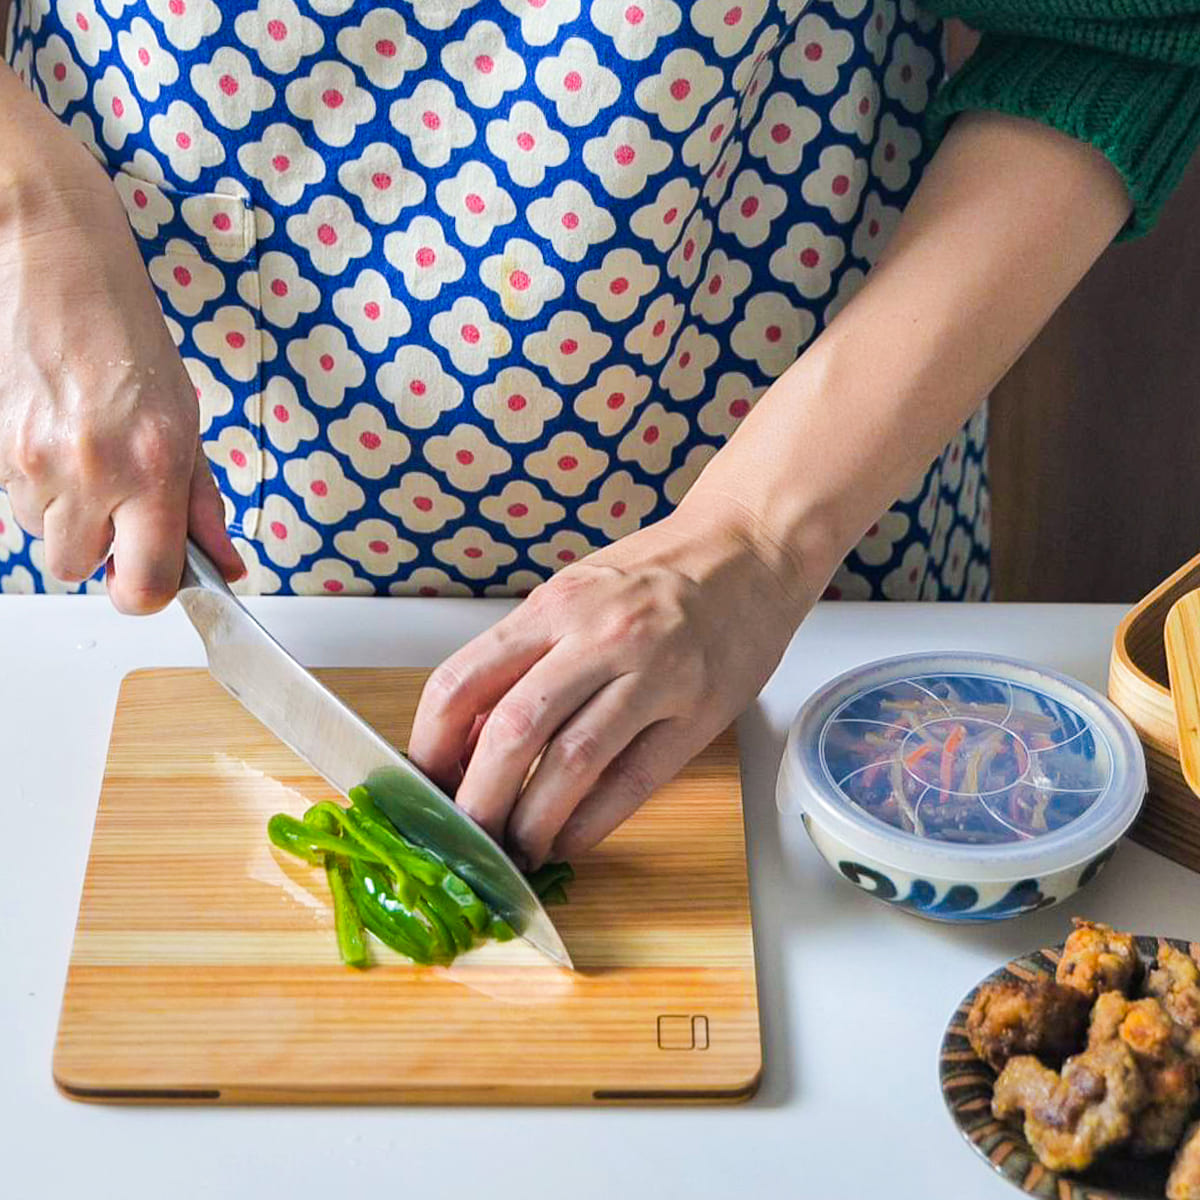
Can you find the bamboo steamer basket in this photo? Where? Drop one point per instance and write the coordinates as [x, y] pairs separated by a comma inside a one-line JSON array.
[[1138, 685]]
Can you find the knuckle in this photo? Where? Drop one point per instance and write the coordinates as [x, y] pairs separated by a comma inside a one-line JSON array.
[[444, 686], [632, 778], [577, 753], [31, 456], [140, 600], [513, 722]]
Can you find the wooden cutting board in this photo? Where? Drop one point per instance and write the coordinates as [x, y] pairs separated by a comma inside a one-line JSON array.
[[205, 968]]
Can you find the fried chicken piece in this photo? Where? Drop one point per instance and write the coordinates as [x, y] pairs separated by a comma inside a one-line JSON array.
[[1013, 1017], [1098, 959], [1146, 1029], [1072, 1118], [1175, 980], [1184, 1180]]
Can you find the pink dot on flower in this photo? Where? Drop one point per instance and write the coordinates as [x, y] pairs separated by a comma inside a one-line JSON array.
[[809, 257], [568, 346], [235, 339], [81, 21], [377, 546], [279, 287], [878, 22], [889, 152], [385, 48], [537, 3], [279, 530], [864, 106], [519, 280], [474, 203], [426, 590], [659, 327], [733, 15], [422, 503], [739, 408], [568, 462], [615, 400], [473, 552], [714, 285], [319, 488], [840, 185], [525, 141], [228, 85], [431, 120], [518, 510], [3, 527], [566, 556], [177, 7], [333, 585], [371, 310], [276, 30], [140, 199], [332, 98], [680, 89], [749, 206], [326, 234], [651, 435], [619, 286], [237, 458], [873, 227], [369, 441], [572, 81], [183, 140], [118, 107], [326, 361], [570, 220], [221, 222], [780, 133], [670, 215], [470, 334], [618, 509], [634, 15], [60, 71], [689, 249], [773, 333], [516, 402], [684, 359], [465, 457], [281, 162], [381, 180], [183, 276], [831, 593], [718, 129], [813, 51], [484, 63], [417, 387], [905, 73], [281, 414], [912, 575], [426, 257]]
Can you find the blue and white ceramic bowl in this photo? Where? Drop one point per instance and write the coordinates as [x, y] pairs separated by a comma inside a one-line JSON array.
[[962, 787]]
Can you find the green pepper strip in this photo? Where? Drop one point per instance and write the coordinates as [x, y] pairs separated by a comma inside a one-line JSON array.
[[550, 875], [477, 913], [306, 841], [451, 916], [501, 930], [420, 863], [441, 931], [365, 838], [347, 922], [387, 917]]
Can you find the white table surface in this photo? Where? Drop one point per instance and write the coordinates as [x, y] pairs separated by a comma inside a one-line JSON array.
[[854, 996]]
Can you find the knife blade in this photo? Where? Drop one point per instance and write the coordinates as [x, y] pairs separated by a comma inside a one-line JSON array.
[[337, 743]]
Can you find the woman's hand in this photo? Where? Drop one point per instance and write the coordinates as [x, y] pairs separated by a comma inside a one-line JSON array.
[[609, 678], [99, 443]]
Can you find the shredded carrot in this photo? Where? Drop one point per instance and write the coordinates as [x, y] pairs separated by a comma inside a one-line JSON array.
[[952, 743], [915, 757]]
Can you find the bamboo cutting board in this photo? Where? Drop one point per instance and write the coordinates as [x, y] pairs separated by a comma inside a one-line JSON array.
[[205, 967]]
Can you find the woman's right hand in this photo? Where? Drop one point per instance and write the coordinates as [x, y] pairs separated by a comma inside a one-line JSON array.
[[99, 425]]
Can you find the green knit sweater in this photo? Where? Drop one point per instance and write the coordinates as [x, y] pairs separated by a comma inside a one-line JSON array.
[[1123, 75]]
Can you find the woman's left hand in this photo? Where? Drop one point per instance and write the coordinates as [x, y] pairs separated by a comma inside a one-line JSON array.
[[609, 678]]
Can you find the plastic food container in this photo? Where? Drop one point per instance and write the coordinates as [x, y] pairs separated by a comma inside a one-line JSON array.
[[962, 787]]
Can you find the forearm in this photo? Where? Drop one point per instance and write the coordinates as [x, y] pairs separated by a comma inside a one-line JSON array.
[[1008, 218]]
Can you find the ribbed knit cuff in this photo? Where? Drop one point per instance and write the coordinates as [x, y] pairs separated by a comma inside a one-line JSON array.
[[1143, 116]]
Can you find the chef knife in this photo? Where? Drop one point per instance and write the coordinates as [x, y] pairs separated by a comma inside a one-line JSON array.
[[336, 742]]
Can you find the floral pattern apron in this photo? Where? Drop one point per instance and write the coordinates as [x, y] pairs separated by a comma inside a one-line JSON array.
[[468, 288]]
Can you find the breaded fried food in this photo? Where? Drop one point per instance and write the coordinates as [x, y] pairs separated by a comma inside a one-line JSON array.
[[1098, 959], [1175, 980], [1184, 1180], [1013, 1017], [1072, 1118]]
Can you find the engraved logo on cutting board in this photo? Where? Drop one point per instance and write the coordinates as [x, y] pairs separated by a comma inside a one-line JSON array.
[[682, 1031]]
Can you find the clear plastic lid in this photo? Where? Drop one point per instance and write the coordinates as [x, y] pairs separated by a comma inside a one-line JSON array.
[[953, 754]]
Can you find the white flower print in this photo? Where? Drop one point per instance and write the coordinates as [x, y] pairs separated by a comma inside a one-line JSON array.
[[526, 144], [146, 205], [416, 385], [729, 23], [977, 427], [279, 290], [53, 586], [382, 47], [376, 546], [62, 78], [330, 234], [856, 110], [694, 353], [837, 183], [331, 8], [518, 404], [18, 582], [635, 26], [874, 228], [30, 16], [651, 442], [186, 22], [847, 585], [440, 14], [753, 75], [688, 256], [476, 202], [118, 108], [364, 438], [958, 554], [370, 310], [421, 504], [904, 582], [279, 411], [87, 29], [229, 87], [626, 156], [662, 221], [977, 582], [22, 58], [327, 364], [808, 259], [952, 461], [926, 22], [12, 537], [542, 19], [174, 329], [428, 581], [844, 8], [150, 66], [782, 132], [519, 583], [719, 178], [929, 501], [467, 458], [968, 497], [564, 548], [705, 143], [330, 98], [279, 33], [188, 281], [880, 540], [908, 74], [473, 552], [380, 180], [282, 163], [682, 478], [521, 278], [231, 338], [179, 133], [223, 222], [772, 332], [725, 279], [568, 347], [895, 148], [322, 485], [684, 84], [433, 123], [621, 506], [617, 286], [245, 463], [612, 399], [651, 339], [848, 287], [568, 464], [879, 29], [941, 529], [522, 510], [85, 132], [578, 84], [484, 65], [733, 399], [330, 577], [815, 54], [213, 397], [469, 335], [570, 220]]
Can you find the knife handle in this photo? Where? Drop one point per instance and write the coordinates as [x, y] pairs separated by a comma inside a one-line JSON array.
[[199, 572]]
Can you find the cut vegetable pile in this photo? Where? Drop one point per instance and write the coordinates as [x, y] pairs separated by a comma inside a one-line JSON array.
[[402, 893]]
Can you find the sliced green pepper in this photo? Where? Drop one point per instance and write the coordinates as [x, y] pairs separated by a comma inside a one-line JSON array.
[[310, 843], [386, 915]]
